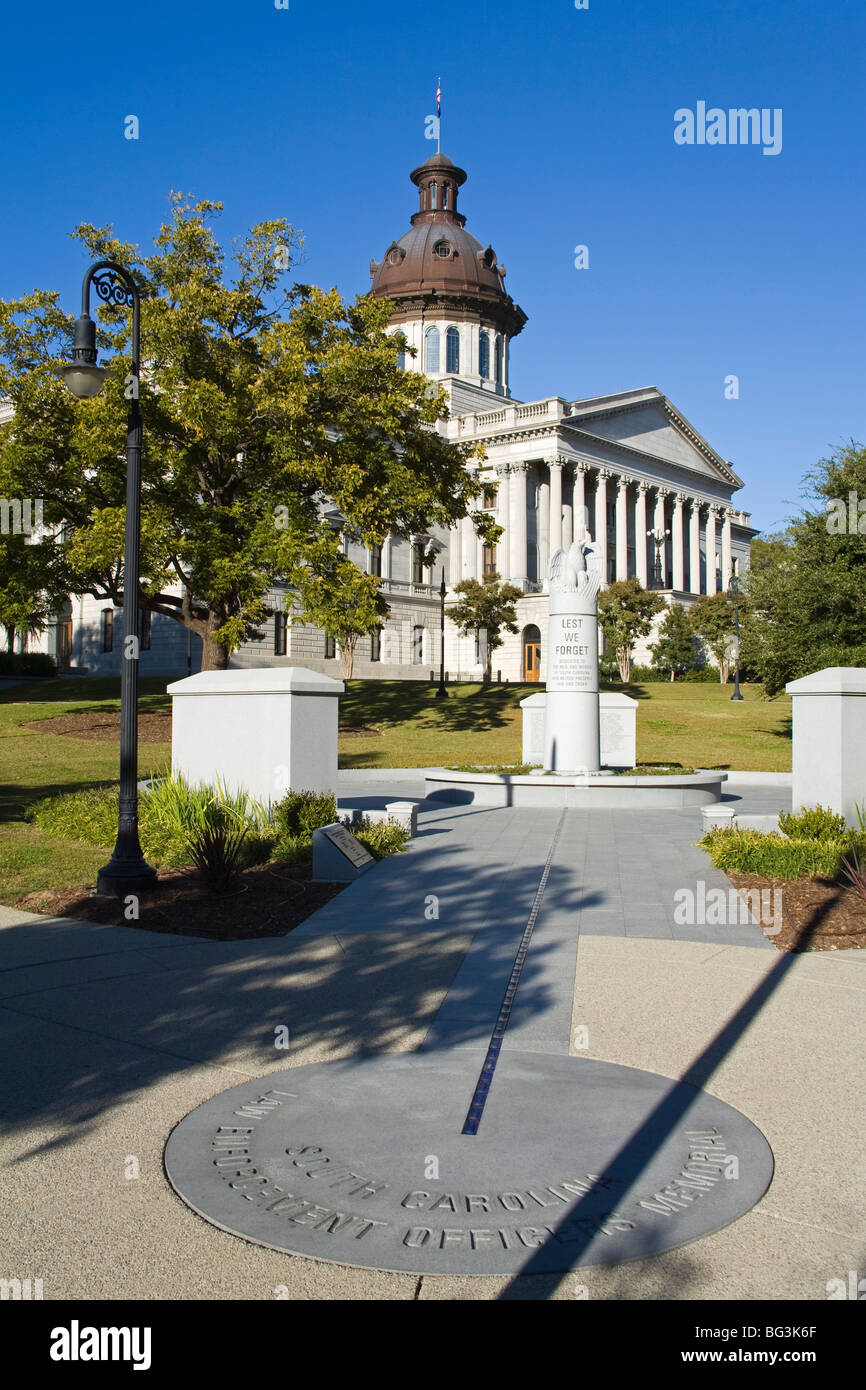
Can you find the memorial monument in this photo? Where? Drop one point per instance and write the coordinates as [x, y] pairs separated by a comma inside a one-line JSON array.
[[571, 720]]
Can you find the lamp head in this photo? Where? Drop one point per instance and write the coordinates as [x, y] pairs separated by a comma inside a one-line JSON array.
[[81, 376]]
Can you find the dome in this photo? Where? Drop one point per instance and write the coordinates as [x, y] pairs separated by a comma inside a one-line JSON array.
[[437, 263]]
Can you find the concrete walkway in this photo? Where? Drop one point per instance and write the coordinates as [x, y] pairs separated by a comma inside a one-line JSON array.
[[111, 1035]]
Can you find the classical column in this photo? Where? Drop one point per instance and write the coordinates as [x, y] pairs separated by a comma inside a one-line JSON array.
[[468, 549], [517, 510], [600, 536], [695, 547], [555, 528], [640, 530], [567, 525], [386, 554], [710, 546], [502, 519], [622, 528], [542, 528], [726, 549], [580, 517], [454, 575], [677, 543]]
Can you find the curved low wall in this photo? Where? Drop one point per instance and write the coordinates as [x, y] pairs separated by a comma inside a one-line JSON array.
[[602, 792]]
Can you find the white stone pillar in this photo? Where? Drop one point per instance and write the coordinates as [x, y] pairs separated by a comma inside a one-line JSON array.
[[580, 516], [454, 575], [542, 528], [503, 562], [640, 530], [695, 547], [555, 527], [622, 528], [726, 549], [677, 543], [600, 536], [517, 507], [468, 549], [567, 525], [710, 544], [387, 546]]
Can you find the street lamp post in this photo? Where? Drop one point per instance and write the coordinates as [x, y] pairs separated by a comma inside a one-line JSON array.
[[442, 693], [127, 871], [658, 536], [734, 593]]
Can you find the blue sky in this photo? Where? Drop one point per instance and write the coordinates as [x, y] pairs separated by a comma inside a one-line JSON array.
[[704, 260]]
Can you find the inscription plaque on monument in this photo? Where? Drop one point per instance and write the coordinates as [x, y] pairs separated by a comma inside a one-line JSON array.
[[337, 856], [332, 1161], [572, 653]]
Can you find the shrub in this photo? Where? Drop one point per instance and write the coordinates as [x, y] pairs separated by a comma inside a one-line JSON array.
[[300, 813], [380, 837], [215, 846], [27, 664], [812, 823], [773, 856], [89, 815]]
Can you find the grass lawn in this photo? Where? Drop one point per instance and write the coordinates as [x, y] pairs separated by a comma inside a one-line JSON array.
[[692, 724]]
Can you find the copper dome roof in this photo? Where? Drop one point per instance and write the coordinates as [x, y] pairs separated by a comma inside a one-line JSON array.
[[437, 263]]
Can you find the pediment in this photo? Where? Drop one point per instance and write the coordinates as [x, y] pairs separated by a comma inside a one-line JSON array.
[[647, 421]]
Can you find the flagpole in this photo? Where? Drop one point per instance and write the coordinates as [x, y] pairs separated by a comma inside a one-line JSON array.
[[439, 116]]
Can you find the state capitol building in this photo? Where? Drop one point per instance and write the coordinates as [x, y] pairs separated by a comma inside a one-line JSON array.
[[628, 463]]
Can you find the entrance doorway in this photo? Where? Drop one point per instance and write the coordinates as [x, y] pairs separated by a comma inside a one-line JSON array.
[[531, 653]]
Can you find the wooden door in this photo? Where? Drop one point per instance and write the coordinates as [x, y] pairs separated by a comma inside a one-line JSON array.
[[532, 661]]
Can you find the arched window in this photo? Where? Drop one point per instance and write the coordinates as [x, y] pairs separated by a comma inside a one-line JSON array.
[[498, 361], [432, 339], [433, 195], [484, 356], [444, 195], [452, 350]]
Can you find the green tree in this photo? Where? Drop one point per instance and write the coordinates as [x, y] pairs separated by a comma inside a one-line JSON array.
[[675, 649], [626, 611], [26, 600], [261, 403], [712, 618], [346, 605], [487, 609], [807, 594]]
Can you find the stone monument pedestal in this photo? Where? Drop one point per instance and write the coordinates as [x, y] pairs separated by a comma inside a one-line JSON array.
[[571, 717], [264, 731], [617, 729], [829, 733]]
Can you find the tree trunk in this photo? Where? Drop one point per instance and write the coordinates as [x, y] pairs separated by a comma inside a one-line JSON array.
[[214, 656], [10, 639], [623, 661], [672, 674]]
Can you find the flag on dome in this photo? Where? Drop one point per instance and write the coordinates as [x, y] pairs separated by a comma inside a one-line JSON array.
[[439, 96]]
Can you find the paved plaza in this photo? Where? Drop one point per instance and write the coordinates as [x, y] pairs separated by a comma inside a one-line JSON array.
[[111, 1036]]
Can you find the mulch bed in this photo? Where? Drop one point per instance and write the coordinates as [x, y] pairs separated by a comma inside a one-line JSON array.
[[817, 914], [268, 900], [152, 728]]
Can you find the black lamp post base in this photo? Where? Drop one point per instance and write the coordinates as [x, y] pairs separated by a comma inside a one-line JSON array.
[[737, 697], [119, 877], [441, 693]]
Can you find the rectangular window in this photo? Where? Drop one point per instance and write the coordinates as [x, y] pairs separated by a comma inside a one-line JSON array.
[[489, 554], [107, 629], [418, 645], [376, 645], [376, 560], [330, 647], [281, 623], [488, 500], [418, 563], [144, 625]]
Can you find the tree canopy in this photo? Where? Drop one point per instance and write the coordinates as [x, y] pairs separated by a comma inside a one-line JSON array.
[[262, 403], [626, 611], [486, 608]]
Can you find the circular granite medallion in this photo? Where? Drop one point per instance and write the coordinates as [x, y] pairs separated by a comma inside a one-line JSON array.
[[362, 1162]]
